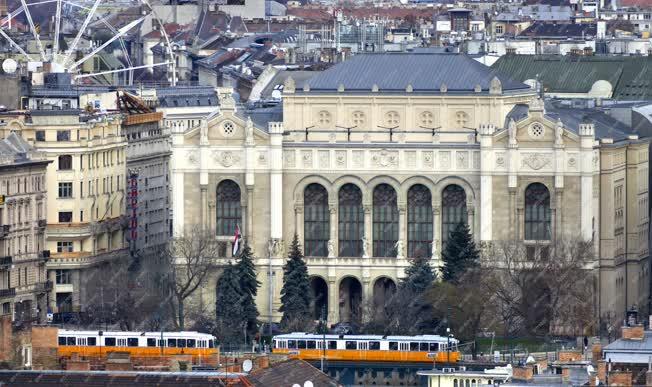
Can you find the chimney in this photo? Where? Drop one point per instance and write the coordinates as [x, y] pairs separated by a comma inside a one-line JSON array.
[[523, 373], [633, 332]]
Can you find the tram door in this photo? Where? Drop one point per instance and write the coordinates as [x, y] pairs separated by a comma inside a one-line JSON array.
[[404, 348]]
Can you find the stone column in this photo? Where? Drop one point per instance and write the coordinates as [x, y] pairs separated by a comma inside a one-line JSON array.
[[178, 217], [249, 230], [332, 208], [204, 206], [276, 180], [557, 232], [586, 185], [298, 221], [470, 209], [402, 228], [486, 181], [333, 301], [436, 230], [52, 276], [211, 215], [513, 227], [368, 228]]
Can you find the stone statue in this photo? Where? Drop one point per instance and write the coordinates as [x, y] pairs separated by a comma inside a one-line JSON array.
[[399, 249], [365, 247], [511, 130], [274, 248], [331, 249], [559, 132], [203, 133], [249, 130]]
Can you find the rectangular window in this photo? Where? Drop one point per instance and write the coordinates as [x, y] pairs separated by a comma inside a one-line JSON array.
[[64, 247], [65, 217], [81, 215], [181, 343], [292, 344], [414, 347], [81, 189], [393, 346], [191, 343], [172, 343], [423, 347], [71, 341], [132, 342], [311, 344], [65, 190], [65, 162], [374, 345], [301, 344], [109, 341], [40, 135], [151, 342], [161, 343], [63, 276], [332, 344], [434, 347], [63, 135], [91, 341], [351, 345], [62, 340]]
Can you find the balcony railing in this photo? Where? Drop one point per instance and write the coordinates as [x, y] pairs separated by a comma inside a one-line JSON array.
[[11, 292]]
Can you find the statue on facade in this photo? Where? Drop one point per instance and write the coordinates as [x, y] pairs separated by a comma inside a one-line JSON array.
[[365, 247], [331, 249], [203, 133], [249, 139], [511, 131], [399, 249], [559, 133]]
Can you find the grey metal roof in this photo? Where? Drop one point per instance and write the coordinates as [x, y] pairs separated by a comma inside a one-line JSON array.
[[262, 116], [425, 72], [644, 345]]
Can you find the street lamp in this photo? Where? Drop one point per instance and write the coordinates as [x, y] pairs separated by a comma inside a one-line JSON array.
[[308, 127], [391, 131], [348, 131]]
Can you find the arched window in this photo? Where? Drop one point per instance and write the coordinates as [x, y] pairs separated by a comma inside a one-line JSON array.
[[454, 382], [65, 162], [453, 209], [351, 221], [385, 221], [316, 221], [229, 211], [419, 221], [537, 212]]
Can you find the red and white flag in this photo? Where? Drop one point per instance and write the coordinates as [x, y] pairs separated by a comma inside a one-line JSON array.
[[236, 240]]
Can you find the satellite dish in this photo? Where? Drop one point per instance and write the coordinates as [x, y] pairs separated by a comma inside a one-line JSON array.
[[247, 365], [308, 383], [9, 66]]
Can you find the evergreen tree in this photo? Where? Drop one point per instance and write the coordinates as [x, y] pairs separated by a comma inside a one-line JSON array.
[[460, 253], [295, 295], [229, 307], [419, 276], [246, 272]]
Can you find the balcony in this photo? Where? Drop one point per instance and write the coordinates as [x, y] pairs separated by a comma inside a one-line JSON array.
[[43, 287], [10, 292], [68, 230], [6, 261]]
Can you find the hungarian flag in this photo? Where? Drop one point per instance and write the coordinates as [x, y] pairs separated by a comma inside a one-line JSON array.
[[236, 240]]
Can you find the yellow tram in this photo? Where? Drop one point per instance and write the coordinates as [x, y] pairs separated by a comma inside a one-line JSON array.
[[137, 344], [423, 348]]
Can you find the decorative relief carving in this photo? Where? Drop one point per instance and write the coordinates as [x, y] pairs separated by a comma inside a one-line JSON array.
[[500, 160], [226, 158], [595, 159], [340, 158], [428, 159], [324, 159], [289, 158], [411, 159], [385, 158], [535, 161], [358, 159], [192, 157], [572, 161], [332, 138], [306, 157], [445, 159], [462, 159], [262, 159]]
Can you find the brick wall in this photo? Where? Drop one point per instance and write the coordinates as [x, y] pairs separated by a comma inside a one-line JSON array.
[[620, 378], [523, 373], [78, 365], [569, 356], [602, 370], [596, 352], [635, 332]]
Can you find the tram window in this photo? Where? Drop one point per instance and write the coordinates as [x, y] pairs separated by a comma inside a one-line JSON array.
[[393, 345], [181, 343], [275, 344], [414, 347], [332, 344], [434, 347], [191, 343], [161, 343], [423, 347], [172, 343], [151, 342], [132, 342], [292, 344], [374, 345], [109, 341], [71, 341], [91, 341], [211, 344], [311, 344], [351, 345], [301, 344], [62, 340]]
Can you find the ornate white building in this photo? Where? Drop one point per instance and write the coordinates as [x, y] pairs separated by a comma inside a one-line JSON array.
[[377, 158]]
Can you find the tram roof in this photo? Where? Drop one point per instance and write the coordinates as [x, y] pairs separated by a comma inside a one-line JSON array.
[[67, 332], [316, 336]]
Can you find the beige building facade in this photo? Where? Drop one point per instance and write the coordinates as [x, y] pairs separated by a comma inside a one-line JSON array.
[[375, 160], [86, 200]]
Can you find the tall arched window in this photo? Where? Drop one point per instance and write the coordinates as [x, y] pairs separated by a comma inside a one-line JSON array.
[[453, 209], [419, 221], [229, 211], [537, 212], [316, 221], [351, 221], [385, 221]]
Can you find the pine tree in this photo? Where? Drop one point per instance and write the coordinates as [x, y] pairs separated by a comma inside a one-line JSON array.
[[246, 272], [460, 253], [419, 276], [229, 307], [295, 295]]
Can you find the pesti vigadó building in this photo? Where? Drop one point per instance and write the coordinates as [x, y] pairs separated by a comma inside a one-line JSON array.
[[374, 161]]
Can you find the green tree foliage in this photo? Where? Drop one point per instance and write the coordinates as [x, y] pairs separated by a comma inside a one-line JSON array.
[[419, 276], [229, 307], [246, 273], [460, 253], [295, 295]]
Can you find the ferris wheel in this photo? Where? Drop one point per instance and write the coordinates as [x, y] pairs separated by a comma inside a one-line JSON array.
[[65, 45]]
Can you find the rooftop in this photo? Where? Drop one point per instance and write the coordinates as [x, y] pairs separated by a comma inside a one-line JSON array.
[[424, 72]]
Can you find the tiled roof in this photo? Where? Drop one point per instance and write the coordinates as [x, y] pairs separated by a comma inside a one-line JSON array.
[[289, 373], [425, 72], [630, 77], [560, 30]]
